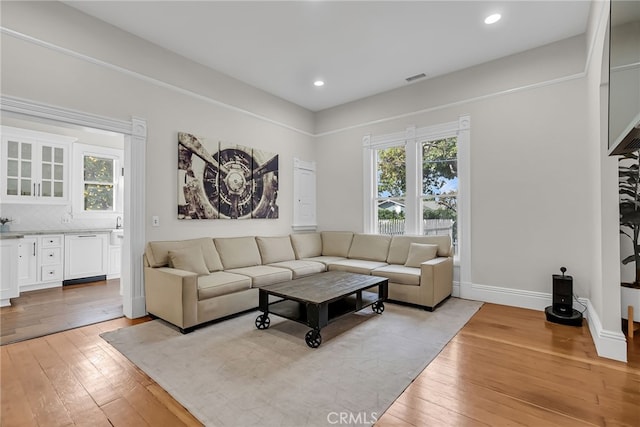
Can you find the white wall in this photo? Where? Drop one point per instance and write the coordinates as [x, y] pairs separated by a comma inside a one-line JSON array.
[[529, 202], [543, 190], [125, 76], [555, 61]]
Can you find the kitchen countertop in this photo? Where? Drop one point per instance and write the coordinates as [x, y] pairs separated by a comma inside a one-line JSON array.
[[21, 234]]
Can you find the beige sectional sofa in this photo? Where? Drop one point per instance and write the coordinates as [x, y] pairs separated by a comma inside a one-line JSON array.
[[190, 282]]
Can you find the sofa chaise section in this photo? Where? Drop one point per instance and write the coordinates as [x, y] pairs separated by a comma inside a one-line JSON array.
[[420, 270]]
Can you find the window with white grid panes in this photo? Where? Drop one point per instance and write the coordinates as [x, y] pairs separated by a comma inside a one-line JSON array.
[[99, 189]]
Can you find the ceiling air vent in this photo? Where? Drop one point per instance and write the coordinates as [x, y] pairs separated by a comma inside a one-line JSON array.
[[416, 77]]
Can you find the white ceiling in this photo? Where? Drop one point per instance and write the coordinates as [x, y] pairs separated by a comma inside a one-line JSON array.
[[358, 48]]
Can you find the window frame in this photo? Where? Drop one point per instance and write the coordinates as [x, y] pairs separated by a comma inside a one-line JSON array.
[[412, 138], [377, 198], [423, 198], [79, 153]]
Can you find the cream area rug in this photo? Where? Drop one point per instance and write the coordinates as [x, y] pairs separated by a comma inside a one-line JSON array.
[[232, 374]]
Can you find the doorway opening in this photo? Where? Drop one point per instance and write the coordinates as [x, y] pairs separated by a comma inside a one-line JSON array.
[[73, 232], [134, 134]]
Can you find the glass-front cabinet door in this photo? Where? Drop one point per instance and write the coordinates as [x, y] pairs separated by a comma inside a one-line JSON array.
[[35, 167], [53, 170], [19, 164]]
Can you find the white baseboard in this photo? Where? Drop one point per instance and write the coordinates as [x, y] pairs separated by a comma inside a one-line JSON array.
[[139, 308], [39, 286], [5, 302], [609, 344], [505, 296]]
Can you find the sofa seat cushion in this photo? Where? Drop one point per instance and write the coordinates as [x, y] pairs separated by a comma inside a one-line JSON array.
[[262, 275], [399, 274], [326, 260], [221, 283], [355, 266], [301, 268]]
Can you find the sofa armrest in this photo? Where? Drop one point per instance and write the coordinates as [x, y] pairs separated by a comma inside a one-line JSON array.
[[436, 279], [172, 295]]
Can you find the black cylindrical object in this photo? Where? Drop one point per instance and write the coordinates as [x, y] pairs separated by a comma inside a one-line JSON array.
[[562, 294]]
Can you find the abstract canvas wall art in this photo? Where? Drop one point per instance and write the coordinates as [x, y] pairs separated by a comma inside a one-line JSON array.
[[217, 180]]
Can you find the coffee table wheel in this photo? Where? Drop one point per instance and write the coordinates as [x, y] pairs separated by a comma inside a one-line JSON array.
[[313, 338], [378, 307], [263, 321]]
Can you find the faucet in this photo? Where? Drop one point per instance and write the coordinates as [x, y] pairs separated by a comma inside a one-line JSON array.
[[118, 222]]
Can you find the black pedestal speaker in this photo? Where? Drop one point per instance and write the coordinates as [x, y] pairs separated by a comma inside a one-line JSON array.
[[562, 294], [562, 310]]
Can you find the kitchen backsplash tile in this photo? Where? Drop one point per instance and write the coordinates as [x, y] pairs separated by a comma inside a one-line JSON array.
[[49, 217]]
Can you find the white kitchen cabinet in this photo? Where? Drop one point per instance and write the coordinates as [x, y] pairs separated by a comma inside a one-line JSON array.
[[27, 261], [35, 167], [51, 265], [9, 271], [115, 255], [85, 255], [40, 263]]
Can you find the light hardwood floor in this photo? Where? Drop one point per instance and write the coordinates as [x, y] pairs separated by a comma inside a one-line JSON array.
[[507, 366], [43, 312]]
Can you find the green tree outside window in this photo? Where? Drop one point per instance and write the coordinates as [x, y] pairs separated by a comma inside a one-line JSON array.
[[98, 183]]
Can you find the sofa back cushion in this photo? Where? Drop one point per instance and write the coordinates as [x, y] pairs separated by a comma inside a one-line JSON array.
[[157, 253], [275, 249], [307, 245], [370, 247], [399, 248], [238, 252], [336, 243]]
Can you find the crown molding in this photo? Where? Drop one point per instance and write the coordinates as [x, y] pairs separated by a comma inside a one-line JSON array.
[[27, 107], [160, 83], [139, 76]]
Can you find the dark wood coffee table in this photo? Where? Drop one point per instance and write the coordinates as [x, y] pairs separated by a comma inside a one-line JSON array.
[[320, 299]]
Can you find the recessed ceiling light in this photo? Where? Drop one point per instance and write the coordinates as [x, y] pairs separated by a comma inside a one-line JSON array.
[[492, 19], [318, 83]]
